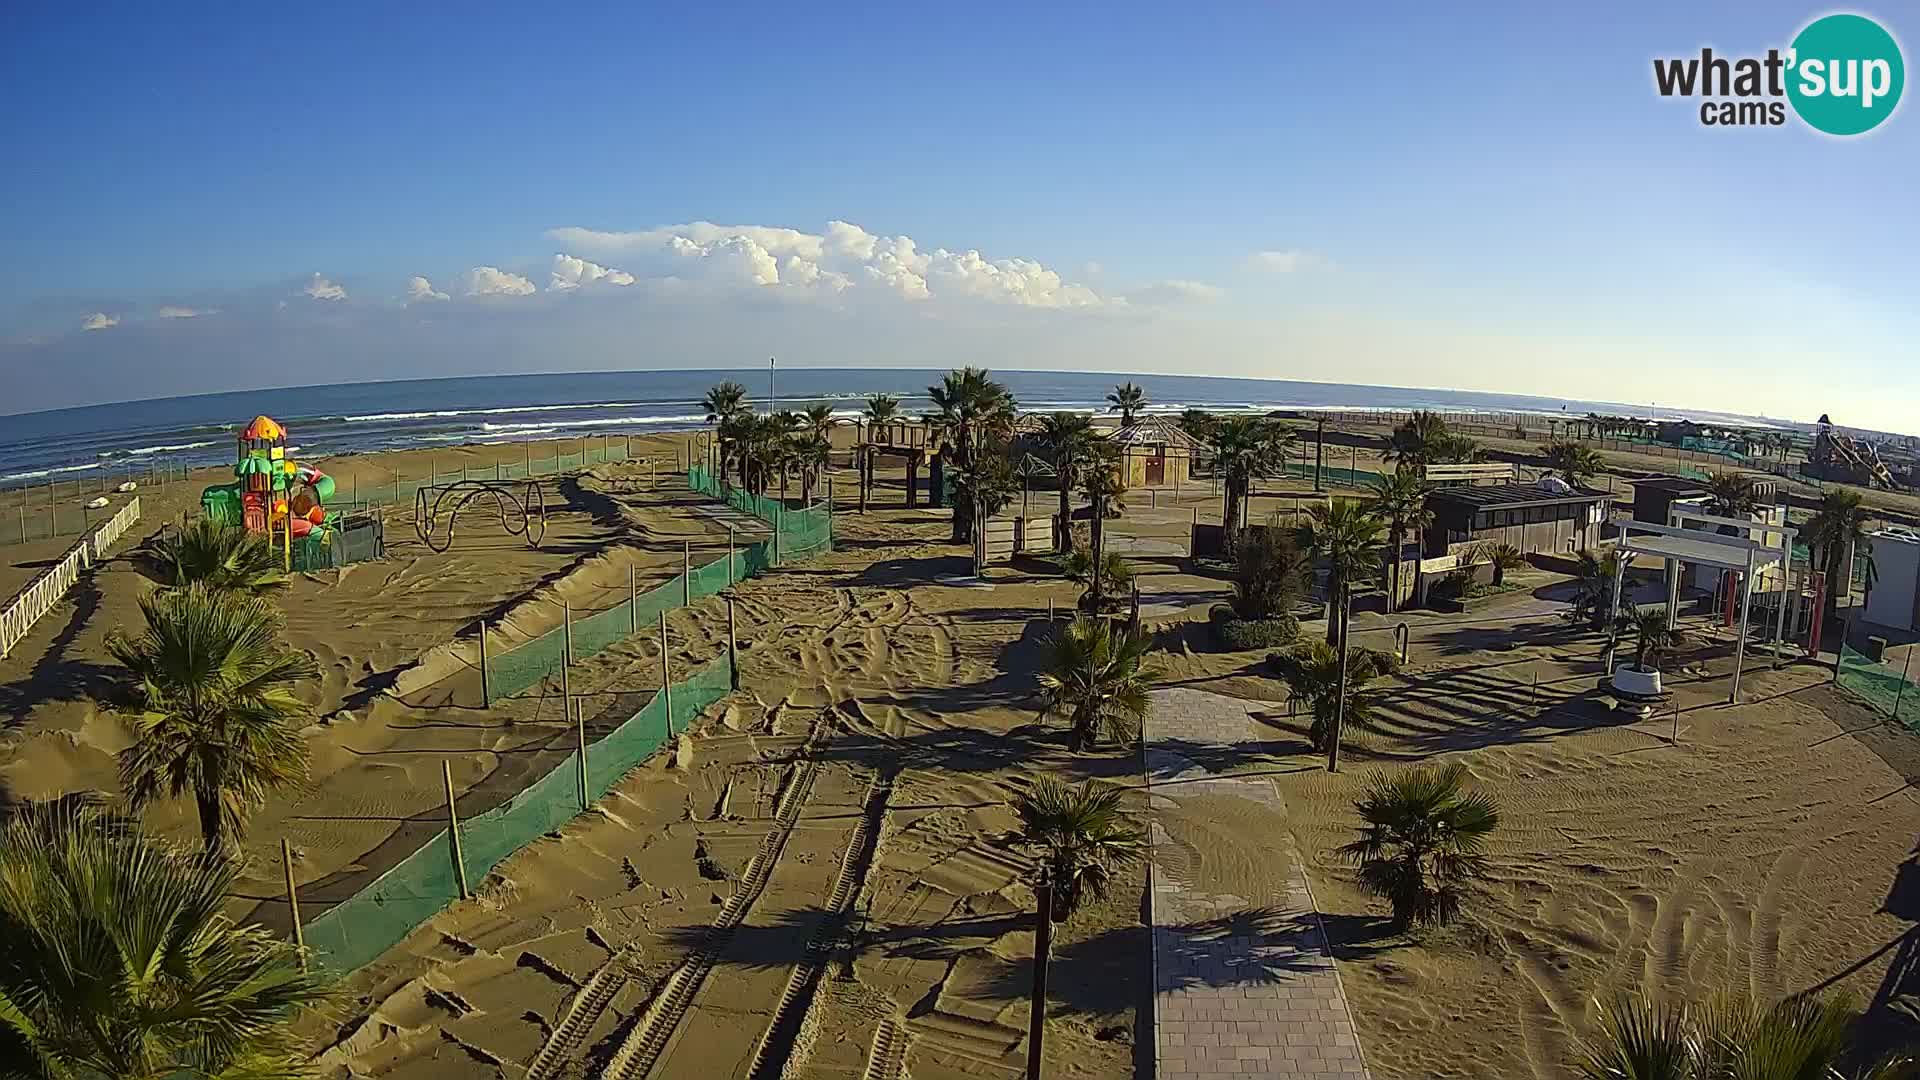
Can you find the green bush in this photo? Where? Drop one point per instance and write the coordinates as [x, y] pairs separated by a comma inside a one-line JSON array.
[[1238, 635]]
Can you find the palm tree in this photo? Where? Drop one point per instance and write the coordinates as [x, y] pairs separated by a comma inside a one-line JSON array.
[[969, 405], [1129, 399], [1420, 439], [115, 961], [1096, 677], [1346, 535], [725, 400], [1421, 846], [217, 716], [1271, 571], [1504, 557], [725, 403], [810, 453], [221, 556], [1839, 527], [1311, 671], [1652, 635], [1731, 494], [1069, 439], [1244, 447], [881, 410], [1115, 572], [1798, 1038], [988, 482], [1198, 424], [1574, 461], [819, 419], [1593, 577], [1082, 837], [1100, 483], [1399, 498]]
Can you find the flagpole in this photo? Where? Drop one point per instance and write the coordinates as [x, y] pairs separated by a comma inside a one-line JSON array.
[[771, 396]]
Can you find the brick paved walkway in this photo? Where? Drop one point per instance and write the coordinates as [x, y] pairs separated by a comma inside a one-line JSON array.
[[1244, 986]]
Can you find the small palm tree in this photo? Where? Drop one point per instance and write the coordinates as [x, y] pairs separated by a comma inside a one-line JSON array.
[[1421, 846], [1424, 439], [1593, 577], [221, 556], [1400, 499], [1096, 676], [1116, 573], [118, 962], [1082, 837], [1346, 535], [1574, 461], [1652, 637], [1731, 494], [1504, 557], [1839, 526], [1799, 1037], [1129, 399], [217, 716], [1311, 671]]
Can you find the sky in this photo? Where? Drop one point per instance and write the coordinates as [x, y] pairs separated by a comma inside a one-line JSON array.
[[1492, 199]]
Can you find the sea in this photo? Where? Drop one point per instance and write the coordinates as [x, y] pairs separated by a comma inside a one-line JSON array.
[[350, 418]]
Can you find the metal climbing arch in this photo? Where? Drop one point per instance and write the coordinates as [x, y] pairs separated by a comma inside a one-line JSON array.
[[524, 514]]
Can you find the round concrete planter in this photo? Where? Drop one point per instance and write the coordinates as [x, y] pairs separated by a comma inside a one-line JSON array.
[[1637, 682]]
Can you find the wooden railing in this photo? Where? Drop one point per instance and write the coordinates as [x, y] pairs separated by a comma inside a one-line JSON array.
[[44, 591]]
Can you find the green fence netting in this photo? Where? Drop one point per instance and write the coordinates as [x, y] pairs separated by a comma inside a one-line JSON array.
[[378, 917], [1885, 689], [535, 661], [796, 533]]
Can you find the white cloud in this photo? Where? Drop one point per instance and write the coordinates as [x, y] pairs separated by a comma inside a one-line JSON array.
[[571, 273], [100, 320], [321, 289], [1283, 262], [172, 311], [843, 257], [421, 291], [1177, 290], [493, 281]]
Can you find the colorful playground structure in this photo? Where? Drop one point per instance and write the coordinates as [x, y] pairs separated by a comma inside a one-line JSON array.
[[274, 495]]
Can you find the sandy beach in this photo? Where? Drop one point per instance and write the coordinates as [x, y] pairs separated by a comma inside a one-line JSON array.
[[820, 880]]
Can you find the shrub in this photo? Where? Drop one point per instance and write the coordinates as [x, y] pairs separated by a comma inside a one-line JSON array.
[[1237, 635], [1269, 572]]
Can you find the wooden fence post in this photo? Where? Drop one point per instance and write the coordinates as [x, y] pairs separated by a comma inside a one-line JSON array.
[[486, 688], [293, 903], [453, 831], [633, 602], [686, 573], [733, 649], [666, 673], [580, 734]]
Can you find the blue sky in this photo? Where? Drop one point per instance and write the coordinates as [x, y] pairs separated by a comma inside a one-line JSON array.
[[1489, 200]]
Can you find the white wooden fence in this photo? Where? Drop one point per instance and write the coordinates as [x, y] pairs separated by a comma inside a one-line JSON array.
[[43, 592]]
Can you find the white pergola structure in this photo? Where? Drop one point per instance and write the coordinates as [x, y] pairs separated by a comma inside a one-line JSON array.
[[1740, 552]]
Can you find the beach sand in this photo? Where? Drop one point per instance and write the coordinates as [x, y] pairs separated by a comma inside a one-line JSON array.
[[822, 877]]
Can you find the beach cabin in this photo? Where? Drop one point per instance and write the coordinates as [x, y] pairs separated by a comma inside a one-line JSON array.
[[1154, 452], [1544, 516]]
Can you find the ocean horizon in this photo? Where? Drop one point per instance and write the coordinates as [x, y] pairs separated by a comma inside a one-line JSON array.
[[364, 417]]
